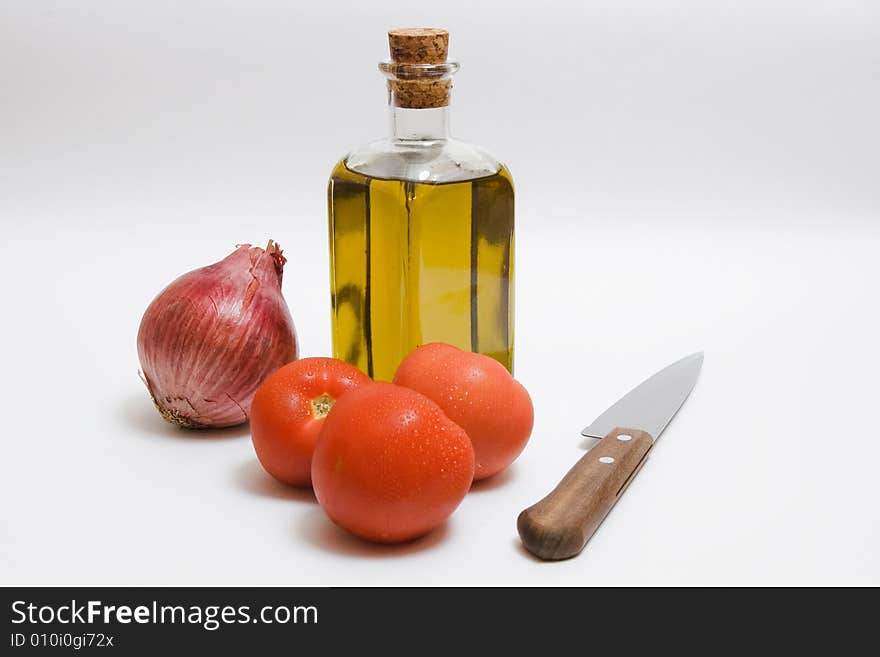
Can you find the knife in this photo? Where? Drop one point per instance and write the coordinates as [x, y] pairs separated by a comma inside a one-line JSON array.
[[559, 526]]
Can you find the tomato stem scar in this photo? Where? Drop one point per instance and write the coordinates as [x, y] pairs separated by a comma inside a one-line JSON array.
[[322, 405]]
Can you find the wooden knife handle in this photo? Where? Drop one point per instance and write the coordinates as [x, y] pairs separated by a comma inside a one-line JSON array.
[[559, 526]]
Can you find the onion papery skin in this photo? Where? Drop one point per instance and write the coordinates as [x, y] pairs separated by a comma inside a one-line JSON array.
[[208, 340]]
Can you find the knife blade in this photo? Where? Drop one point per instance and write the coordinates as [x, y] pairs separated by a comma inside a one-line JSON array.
[[559, 526]]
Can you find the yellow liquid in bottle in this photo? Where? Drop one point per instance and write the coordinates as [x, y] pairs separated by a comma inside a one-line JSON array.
[[412, 263]]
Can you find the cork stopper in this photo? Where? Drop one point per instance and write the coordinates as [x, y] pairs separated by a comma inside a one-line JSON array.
[[420, 78], [418, 45]]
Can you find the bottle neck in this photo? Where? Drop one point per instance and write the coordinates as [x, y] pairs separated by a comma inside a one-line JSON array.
[[419, 125]]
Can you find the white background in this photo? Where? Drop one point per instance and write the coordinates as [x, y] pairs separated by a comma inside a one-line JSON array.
[[690, 175]]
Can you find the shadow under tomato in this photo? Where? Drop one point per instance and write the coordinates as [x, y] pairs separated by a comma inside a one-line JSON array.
[[139, 413], [251, 478], [493, 482], [316, 528]]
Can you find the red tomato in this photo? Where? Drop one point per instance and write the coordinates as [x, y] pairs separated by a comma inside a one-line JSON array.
[[479, 395], [390, 466], [289, 409]]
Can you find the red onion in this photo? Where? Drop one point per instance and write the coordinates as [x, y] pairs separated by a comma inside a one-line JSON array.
[[211, 337]]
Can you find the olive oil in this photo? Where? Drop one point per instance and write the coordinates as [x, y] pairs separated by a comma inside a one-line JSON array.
[[421, 226], [415, 262]]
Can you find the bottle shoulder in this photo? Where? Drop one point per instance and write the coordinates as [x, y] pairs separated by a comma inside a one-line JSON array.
[[439, 161]]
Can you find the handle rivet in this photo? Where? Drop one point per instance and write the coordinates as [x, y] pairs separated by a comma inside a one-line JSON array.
[[606, 459], [624, 437]]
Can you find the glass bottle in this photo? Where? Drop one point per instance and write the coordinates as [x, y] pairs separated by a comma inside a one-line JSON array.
[[421, 227]]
